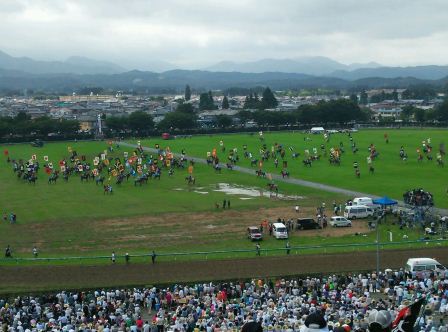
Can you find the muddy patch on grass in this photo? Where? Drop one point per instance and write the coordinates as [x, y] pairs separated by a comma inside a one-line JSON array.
[[251, 192]]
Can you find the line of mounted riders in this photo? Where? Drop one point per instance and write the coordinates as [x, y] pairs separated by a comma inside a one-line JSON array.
[[28, 170]]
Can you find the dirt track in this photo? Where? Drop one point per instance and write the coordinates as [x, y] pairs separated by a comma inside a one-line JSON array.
[[37, 278]]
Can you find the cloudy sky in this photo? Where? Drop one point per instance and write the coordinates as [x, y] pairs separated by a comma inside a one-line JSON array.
[[198, 33]]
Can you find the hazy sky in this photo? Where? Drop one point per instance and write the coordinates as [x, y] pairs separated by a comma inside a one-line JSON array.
[[195, 33]]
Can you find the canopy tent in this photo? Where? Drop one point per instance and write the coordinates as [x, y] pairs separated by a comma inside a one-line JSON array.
[[385, 201]]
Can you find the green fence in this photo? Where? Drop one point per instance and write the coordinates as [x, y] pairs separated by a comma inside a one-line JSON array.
[[314, 249]]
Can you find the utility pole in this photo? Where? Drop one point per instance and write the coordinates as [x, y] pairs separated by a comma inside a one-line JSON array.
[[100, 129]]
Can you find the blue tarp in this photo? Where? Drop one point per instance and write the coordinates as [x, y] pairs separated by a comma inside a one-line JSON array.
[[384, 201]]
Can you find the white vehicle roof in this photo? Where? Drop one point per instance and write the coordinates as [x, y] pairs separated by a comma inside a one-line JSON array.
[[362, 198], [412, 261], [317, 128], [278, 224], [357, 206]]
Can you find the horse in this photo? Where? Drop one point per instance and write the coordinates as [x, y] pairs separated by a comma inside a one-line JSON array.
[[85, 177], [120, 179], [99, 179], [260, 173], [190, 179], [142, 179], [32, 179], [307, 162], [107, 189], [335, 161], [273, 187], [253, 162], [127, 176], [53, 178]]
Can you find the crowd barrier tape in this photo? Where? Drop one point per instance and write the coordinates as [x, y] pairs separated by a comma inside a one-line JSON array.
[[218, 252]]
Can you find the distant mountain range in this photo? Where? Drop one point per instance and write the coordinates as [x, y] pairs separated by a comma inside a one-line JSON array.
[[73, 65], [317, 65], [311, 72], [175, 80]]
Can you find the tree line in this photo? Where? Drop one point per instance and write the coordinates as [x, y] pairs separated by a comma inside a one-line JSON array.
[[22, 125], [334, 111]]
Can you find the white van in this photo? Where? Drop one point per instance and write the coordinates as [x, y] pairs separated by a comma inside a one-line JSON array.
[[317, 130], [358, 211], [367, 201], [423, 266], [279, 231]]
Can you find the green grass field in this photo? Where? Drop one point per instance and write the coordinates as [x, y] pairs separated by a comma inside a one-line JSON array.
[[392, 176], [77, 219]]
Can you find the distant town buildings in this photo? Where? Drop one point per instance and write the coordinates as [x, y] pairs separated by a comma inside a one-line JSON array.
[[86, 108]]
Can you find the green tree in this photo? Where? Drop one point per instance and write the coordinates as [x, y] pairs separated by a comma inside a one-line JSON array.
[[178, 120], [3, 128], [225, 103], [407, 112], [44, 125], [140, 122], [364, 98], [185, 108], [442, 111], [116, 124], [206, 101], [223, 121], [354, 98], [244, 116], [68, 127], [395, 95], [22, 117], [187, 93], [422, 91], [419, 115], [268, 100]]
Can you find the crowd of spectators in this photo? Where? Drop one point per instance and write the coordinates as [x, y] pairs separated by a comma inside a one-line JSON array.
[[341, 301]]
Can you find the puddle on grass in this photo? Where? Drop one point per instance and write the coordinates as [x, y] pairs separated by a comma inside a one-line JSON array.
[[200, 192], [232, 189]]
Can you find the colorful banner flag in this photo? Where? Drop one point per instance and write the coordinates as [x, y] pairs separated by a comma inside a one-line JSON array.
[[406, 317]]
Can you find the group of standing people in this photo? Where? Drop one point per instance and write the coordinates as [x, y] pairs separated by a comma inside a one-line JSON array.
[[12, 217]]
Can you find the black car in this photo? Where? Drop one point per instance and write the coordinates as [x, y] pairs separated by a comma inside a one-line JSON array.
[[307, 223]]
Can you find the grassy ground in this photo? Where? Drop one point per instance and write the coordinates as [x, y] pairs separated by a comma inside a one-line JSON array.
[[392, 176], [77, 219]]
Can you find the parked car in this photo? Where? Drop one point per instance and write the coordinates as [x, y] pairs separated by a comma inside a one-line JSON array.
[[307, 223], [37, 143], [358, 211], [279, 230], [254, 234], [337, 221]]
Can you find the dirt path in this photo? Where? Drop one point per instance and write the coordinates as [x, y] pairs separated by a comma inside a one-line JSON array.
[[38, 278], [291, 180]]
